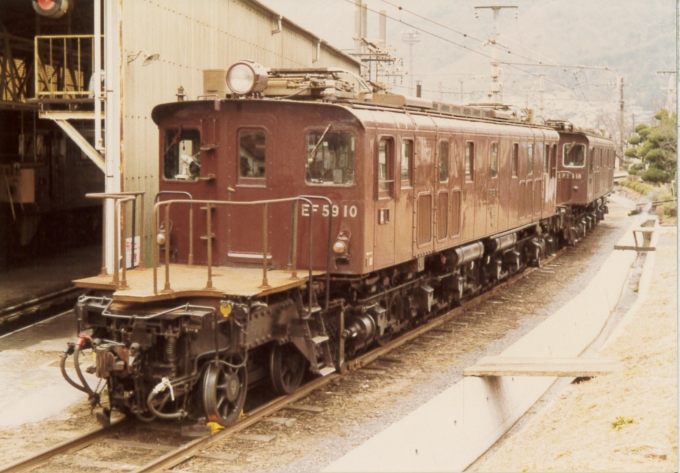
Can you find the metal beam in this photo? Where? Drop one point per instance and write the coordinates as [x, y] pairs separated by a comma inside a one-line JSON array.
[[81, 142], [68, 115]]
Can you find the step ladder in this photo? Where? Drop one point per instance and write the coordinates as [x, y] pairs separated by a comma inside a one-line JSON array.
[[301, 336]]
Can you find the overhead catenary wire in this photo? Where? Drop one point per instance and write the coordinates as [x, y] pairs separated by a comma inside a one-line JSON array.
[[433, 22], [465, 35], [429, 33]]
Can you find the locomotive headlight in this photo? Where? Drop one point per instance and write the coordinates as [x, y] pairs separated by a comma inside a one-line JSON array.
[[247, 77], [340, 247], [160, 238]]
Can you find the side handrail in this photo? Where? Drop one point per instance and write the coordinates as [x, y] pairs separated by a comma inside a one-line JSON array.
[[118, 226], [209, 203], [191, 221], [328, 248]]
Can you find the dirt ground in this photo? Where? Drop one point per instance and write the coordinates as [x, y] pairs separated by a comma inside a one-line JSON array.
[[619, 422]]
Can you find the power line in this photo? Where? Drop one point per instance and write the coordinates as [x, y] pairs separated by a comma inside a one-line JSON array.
[[434, 35], [433, 22], [540, 64], [451, 29], [495, 88]]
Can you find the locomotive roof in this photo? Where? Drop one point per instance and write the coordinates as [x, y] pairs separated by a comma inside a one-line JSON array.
[[591, 136], [364, 112]]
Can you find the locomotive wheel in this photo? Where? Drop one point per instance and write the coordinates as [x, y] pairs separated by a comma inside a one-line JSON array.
[[287, 367], [224, 392]]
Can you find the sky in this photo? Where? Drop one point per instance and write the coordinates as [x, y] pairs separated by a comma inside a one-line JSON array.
[[632, 39]]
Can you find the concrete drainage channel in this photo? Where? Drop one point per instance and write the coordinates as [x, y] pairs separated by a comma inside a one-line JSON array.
[[627, 304], [456, 427]]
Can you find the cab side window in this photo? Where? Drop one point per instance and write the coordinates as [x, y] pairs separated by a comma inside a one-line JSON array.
[[182, 154], [385, 171]]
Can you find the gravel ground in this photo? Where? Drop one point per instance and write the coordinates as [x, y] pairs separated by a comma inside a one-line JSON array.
[[364, 403], [619, 422]]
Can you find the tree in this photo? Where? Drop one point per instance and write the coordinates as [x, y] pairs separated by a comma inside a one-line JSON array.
[[656, 146], [655, 175]]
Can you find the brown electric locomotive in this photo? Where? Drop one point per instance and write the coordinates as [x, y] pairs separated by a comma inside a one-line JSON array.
[[585, 178], [304, 217]]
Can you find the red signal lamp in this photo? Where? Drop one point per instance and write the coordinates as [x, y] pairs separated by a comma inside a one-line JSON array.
[[52, 8]]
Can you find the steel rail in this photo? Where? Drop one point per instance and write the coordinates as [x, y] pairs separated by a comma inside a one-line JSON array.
[[187, 451], [31, 303], [191, 449], [9, 315], [78, 443]]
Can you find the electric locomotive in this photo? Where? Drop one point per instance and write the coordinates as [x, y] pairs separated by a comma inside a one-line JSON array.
[[585, 175], [301, 219]]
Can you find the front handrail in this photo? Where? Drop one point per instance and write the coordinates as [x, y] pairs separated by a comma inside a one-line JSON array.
[[330, 243], [265, 203], [118, 226], [191, 221]]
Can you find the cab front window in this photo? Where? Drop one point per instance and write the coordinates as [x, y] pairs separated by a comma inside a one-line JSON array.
[[329, 157], [574, 155], [182, 154], [252, 153]]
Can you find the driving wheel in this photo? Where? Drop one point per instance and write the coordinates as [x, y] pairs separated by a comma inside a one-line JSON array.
[[287, 368], [224, 392]]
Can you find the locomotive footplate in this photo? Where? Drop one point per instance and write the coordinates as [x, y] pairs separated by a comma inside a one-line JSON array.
[[190, 281]]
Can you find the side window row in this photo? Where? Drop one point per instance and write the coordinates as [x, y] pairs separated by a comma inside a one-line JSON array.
[[385, 174]]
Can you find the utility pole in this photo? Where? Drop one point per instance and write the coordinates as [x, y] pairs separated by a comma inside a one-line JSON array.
[[670, 90], [357, 27], [494, 92], [541, 90], [370, 51], [410, 37], [527, 100], [622, 104]]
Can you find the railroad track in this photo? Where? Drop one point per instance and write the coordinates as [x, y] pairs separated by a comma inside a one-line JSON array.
[[173, 456], [68, 446], [37, 309]]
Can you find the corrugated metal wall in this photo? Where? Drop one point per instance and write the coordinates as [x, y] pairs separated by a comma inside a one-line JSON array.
[[191, 36]]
